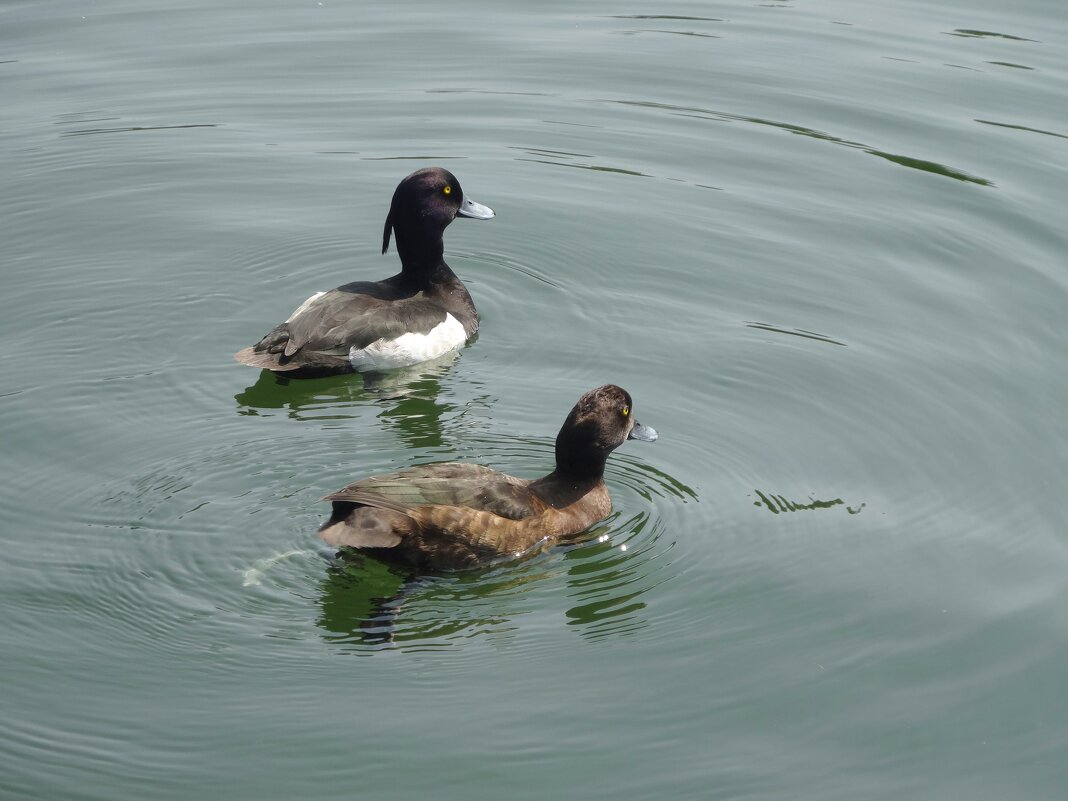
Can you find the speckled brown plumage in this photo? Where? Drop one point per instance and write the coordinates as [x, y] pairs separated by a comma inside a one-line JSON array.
[[453, 515]]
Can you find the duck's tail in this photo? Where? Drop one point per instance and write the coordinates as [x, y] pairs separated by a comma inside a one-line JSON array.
[[265, 360], [352, 526], [308, 365]]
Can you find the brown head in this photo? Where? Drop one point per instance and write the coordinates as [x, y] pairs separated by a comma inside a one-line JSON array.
[[601, 421]]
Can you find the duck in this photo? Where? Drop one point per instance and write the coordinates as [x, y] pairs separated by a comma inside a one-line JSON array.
[[458, 515], [419, 314]]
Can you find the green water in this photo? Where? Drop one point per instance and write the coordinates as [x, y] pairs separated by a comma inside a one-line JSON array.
[[822, 244]]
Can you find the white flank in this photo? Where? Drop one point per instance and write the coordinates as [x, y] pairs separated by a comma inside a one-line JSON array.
[[303, 307], [409, 349]]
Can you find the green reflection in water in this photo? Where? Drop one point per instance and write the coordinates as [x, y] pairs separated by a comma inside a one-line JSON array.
[[905, 161], [603, 578], [795, 332], [664, 16], [358, 602], [1022, 128], [372, 603], [974, 34], [1010, 64], [929, 166], [409, 398], [777, 504]]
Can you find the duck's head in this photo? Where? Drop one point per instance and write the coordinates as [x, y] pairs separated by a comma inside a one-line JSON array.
[[424, 203], [601, 421]]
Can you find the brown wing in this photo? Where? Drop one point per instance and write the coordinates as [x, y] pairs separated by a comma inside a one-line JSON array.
[[442, 515], [451, 484]]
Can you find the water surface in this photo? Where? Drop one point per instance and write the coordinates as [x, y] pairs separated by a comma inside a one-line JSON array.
[[821, 244]]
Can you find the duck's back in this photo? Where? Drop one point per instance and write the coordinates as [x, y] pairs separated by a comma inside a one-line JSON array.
[[369, 325], [445, 484], [450, 515]]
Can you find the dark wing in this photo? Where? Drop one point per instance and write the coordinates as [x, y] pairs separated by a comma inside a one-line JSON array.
[[448, 484], [339, 320], [326, 327]]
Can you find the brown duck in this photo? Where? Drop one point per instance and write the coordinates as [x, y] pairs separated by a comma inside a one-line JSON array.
[[454, 515]]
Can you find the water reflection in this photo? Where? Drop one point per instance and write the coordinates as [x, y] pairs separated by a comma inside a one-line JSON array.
[[968, 33], [896, 158], [664, 17], [777, 504], [674, 33], [370, 603], [409, 397], [1010, 65], [796, 332], [132, 128], [606, 580], [359, 602], [1022, 128]]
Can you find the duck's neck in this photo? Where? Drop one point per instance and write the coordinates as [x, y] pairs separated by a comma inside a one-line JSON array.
[[579, 465], [421, 251], [579, 456], [422, 278], [560, 489]]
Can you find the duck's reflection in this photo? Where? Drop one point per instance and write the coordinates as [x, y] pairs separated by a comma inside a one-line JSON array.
[[409, 398], [358, 606], [374, 604], [360, 601]]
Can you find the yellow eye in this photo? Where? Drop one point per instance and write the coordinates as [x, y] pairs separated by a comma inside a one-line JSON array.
[[626, 410], [447, 190]]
